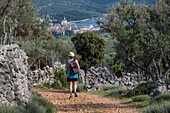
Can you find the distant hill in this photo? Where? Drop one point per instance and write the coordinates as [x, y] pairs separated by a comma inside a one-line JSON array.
[[76, 9]]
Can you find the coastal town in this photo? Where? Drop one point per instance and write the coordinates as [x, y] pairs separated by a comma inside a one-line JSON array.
[[71, 26]]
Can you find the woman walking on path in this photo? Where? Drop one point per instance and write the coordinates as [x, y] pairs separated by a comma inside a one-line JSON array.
[[72, 78]]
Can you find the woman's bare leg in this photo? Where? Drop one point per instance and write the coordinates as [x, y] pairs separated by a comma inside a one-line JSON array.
[[70, 88], [75, 88]]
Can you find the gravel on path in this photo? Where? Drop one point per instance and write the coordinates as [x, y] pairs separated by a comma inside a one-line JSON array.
[[85, 103]]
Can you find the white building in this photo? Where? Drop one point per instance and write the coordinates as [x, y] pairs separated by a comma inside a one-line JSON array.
[[64, 22], [86, 28]]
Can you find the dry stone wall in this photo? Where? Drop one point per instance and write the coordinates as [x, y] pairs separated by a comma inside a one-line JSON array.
[[40, 76], [97, 77], [14, 85]]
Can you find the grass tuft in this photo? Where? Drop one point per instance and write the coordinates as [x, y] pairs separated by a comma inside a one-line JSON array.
[[10, 109], [140, 98], [81, 88], [162, 97], [38, 104], [163, 107]]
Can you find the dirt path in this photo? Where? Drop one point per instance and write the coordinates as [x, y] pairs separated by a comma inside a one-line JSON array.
[[84, 103]]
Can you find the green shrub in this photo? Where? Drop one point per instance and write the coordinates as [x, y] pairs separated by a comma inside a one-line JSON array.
[[44, 85], [38, 104], [10, 109], [110, 87], [140, 98], [158, 108], [117, 68], [115, 92], [60, 79], [81, 88], [167, 81], [162, 97], [34, 107], [143, 88], [43, 104]]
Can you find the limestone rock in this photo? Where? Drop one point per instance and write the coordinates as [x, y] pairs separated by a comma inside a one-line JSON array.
[[14, 85]]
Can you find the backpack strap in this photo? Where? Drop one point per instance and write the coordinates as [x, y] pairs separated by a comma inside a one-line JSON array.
[[73, 60]]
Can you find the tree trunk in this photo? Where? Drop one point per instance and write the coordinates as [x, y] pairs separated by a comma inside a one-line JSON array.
[[4, 9], [39, 64], [152, 75]]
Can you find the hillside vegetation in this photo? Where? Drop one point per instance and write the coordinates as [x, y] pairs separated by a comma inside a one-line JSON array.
[[76, 9], [73, 9]]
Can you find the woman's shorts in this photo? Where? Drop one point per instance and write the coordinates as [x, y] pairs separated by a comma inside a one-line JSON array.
[[72, 79]]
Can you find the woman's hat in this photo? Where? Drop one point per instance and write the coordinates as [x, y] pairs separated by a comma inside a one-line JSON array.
[[71, 54]]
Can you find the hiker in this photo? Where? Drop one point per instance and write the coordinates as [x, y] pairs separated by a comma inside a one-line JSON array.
[[72, 78]]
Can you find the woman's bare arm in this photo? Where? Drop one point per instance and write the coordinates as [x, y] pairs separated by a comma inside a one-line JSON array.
[[77, 64]]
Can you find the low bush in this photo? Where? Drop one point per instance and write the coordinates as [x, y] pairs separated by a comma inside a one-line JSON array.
[[143, 88], [44, 85], [163, 107], [117, 69], [117, 92], [140, 98], [10, 109], [34, 107], [109, 87], [162, 97], [81, 88], [60, 80], [38, 104], [167, 81]]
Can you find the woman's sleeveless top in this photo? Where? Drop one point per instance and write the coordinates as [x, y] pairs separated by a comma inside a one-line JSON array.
[[68, 71]]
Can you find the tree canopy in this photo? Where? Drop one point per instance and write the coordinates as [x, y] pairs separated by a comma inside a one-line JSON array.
[[90, 47], [142, 34], [20, 19]]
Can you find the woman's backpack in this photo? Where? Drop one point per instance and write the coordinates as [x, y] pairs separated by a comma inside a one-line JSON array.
[[73, 67]]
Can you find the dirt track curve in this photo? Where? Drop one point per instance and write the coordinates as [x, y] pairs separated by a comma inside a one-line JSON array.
[[85, 103]]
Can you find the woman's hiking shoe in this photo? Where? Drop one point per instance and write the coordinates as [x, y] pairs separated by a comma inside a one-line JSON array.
[[70, 97], [76, 95]]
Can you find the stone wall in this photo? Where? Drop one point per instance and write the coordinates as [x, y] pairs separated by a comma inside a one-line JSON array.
[[40, 76], [14, 85], [95, 78], [98, 77]]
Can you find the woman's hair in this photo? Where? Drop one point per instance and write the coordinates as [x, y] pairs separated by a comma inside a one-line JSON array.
[[71, 57]]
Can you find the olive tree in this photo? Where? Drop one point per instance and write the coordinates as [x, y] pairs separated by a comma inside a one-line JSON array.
[[143, 40], [19, 23], [19, 18]]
